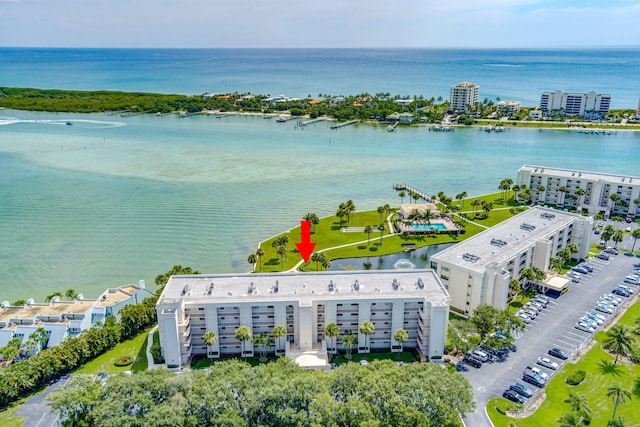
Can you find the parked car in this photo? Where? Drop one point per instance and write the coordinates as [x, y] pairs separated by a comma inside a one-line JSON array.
[[632, 280], [535, 305], [594, 319], [603, 308], [513, 396], [556, 352], [595, 313], [547, 363], [534, 379], [526, 319], [543, 302], [596, 231], [586, 267], [621, 292], [585, 327], [602, 256], [601, 224], [628, 229], [573, 274], [521, 389], [480, 355], [542, 374], [629, 220], [531, 313], [472, 360], [580, 270], [612, 251]]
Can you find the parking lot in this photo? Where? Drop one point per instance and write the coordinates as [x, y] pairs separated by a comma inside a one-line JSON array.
[[553, 327]]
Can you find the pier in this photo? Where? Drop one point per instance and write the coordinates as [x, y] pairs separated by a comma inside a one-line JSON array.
[[308, 122], [410, 189], [392, 127], [343, 124], [441, 128]]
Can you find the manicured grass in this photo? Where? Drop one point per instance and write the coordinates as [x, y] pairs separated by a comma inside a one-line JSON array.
[[404, 356], [593, 388], [134, 347], [8, 415], [202, 362], [327, 234]]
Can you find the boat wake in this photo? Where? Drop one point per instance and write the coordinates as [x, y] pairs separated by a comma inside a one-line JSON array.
[[83, 123]]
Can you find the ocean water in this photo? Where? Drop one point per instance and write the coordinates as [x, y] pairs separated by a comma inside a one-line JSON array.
[[112, 200], [506, 73]]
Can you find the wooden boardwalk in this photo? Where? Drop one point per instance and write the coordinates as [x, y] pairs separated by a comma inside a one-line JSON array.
[[410, 189], [342, 124]]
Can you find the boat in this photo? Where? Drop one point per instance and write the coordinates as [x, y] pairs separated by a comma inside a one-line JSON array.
[[69, 124], [281, 118]]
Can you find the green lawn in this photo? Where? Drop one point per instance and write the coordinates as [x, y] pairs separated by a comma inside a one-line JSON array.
[[327, 234], [404, 356], [7, 415], [134, 347], [593, 387]]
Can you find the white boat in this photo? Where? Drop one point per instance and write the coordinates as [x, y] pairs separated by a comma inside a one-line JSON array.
[[281, 118]]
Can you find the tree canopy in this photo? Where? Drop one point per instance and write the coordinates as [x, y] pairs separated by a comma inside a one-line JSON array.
[[275, 394]]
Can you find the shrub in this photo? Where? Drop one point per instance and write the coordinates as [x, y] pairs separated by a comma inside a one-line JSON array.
[[123, 361], [575, 377]]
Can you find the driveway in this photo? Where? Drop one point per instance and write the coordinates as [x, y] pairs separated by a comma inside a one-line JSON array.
[[37, 409], [554, 327]]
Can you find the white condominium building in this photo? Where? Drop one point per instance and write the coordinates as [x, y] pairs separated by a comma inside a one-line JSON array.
[[303, 303], [589, 105], [477, 271], [586, 191], [463, 94]]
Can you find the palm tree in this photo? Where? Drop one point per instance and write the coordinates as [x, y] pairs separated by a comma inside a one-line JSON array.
[[619, 340], [260, 254], [313, 219], [614, 198], [368, 229], [427, 216], [278, 332], [486, 207], [402, 195], [636, 235], [387, 209], [562, 189], [209, 338], [619, 396], [318, 257], [380, 212], [556, 264], [381, 228], [348, 340], [416, 197], [580, 192], [243, 334], [71, 294], [282, 253], [616, 422], [351, 208], [618, 237], [515, 287], [263, 342], [331, 331], [579, 403], [401, 336], [39, 337], [51, 296], [252, 259], [326, 264], [463, 196], [367, 329], [571, 419]]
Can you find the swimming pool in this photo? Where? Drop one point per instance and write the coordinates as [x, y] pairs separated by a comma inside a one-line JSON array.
[[426, 227]]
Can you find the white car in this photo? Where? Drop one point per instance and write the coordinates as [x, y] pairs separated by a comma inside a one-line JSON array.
[[604, 309], [541, 373], [547, 363], [585, 327], [524, 317]]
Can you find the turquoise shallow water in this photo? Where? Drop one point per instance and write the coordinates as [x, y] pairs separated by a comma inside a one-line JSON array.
[[111, 200]]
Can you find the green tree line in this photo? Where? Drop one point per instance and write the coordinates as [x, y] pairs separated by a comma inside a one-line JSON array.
[[280, 393]]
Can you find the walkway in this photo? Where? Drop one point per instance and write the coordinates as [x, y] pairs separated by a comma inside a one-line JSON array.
[[150, 362]]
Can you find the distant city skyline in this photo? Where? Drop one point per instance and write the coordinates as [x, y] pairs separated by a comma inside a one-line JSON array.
[[331, 23]]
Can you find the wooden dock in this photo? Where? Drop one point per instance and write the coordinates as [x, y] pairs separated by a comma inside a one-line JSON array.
[[308, 122], [343, 124], [410, 189]]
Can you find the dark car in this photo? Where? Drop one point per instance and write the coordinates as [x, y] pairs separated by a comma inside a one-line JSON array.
[[621, 292], [513, 396], [612, 251], [587, 267], [473, 361], [581, 270], [556, 352], [602, 256], [521, 389], [534, 379]]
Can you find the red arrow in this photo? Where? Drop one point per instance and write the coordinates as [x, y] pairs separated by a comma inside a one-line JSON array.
[[306, 246]]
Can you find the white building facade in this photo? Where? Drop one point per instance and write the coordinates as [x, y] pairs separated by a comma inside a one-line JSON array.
[[478, 270], [463, 94], [588, 105], [304, 303], [561, 187]]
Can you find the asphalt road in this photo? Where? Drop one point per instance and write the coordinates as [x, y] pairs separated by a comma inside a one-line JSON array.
[[554, 327], [37, 409]]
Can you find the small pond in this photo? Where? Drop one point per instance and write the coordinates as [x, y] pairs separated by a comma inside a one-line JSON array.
[[401, 261]]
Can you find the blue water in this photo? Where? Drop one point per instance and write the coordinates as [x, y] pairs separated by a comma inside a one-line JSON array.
[[424, 227], [112, 200], [418, 258], [506, 73]]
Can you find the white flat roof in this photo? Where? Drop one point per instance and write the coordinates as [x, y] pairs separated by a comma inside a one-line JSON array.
[[581, 175], [507, 239], [272, 287]]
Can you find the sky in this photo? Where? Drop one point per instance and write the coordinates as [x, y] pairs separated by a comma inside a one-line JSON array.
[[319, 23]]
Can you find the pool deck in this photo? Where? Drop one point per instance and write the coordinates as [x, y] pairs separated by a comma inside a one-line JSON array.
[[449, 227]]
